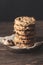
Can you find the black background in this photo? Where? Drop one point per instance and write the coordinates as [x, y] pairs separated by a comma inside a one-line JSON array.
[[9, 9]]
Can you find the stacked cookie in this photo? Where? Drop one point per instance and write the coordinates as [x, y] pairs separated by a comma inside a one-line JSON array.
[[24, 28]]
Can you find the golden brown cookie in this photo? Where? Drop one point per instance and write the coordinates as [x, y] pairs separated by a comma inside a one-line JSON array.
[[25, 32], [16, 39], [25, 37], [21, 43], [23, 28], [24, 21]]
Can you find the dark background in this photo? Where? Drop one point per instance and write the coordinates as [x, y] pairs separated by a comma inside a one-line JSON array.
[[9, 9]]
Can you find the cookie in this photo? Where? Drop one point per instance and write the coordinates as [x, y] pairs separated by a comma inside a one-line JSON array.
[[25, 37], [25, 32], [16, 39], [22, 43], [24, 21], [22, 28]]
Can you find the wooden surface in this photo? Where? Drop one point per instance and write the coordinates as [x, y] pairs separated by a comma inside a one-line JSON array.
[[32, 57]]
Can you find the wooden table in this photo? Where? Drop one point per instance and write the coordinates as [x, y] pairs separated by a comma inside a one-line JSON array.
[[32, 57]]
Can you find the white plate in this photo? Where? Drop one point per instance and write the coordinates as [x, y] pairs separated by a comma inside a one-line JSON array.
[[37, 44]]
